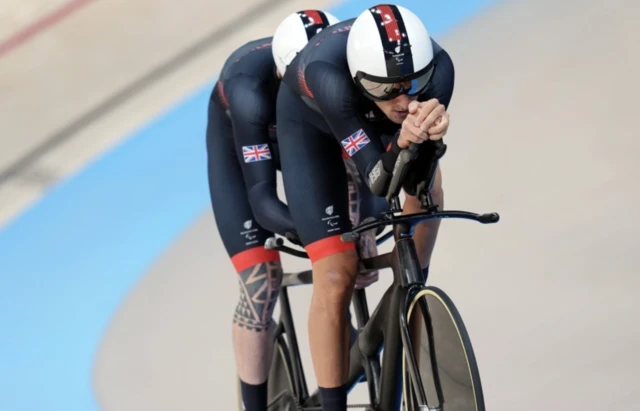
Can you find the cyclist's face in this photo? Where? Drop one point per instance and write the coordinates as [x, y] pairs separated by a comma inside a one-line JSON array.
[[397, 109]]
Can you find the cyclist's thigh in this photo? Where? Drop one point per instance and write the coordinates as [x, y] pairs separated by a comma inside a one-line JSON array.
[[315, 179], [241, 235]]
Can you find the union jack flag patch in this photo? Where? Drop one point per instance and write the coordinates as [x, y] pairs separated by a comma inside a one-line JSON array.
[[355, 142], [259, 152]]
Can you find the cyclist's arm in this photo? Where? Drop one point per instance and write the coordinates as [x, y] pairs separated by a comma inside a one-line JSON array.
[[441, 86], [250, 111], [337, 99]]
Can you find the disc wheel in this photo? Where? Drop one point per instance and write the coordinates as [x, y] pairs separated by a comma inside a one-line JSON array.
[[441, 344]]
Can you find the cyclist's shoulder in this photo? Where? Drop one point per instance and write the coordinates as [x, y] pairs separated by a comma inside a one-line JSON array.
[[318, 77], [328, 46], [324, 86], [437, 47], [250, 99], [253, 58], [334, 34]]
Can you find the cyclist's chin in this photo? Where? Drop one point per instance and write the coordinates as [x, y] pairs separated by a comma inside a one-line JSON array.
[[397, 116]]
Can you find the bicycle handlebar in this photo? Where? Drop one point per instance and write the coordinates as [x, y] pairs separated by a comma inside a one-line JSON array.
[[416, 218], [274, 243], [400, 171]]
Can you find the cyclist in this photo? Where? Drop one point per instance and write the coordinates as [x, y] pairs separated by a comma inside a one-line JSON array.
[[367, 87], [242, 162]]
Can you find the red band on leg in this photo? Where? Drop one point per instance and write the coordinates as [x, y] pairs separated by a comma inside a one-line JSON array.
[[328, 246], [253, 256]]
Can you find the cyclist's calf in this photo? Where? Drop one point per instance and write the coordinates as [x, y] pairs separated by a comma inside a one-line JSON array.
[[253, 326]]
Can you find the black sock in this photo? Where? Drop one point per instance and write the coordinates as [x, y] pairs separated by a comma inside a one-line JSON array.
[[333, 399], [254, 397]]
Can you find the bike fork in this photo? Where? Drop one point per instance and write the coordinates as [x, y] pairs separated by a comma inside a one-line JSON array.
[[407, 344], [417, 384]]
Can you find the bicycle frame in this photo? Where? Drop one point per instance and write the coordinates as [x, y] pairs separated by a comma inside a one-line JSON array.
[[387, 326], [381, 328]]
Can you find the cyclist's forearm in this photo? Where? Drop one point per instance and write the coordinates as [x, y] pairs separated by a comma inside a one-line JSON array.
[[379, 174]]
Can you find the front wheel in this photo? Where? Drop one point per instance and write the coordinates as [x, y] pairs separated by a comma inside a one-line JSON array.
[[446, 363]]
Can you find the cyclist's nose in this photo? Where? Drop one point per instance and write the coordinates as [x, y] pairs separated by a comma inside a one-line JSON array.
[[401, 102]]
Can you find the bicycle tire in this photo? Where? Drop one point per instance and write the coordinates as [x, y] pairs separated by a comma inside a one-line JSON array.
[[457, 367]]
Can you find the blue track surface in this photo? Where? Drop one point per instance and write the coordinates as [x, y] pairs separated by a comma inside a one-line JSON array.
[[69, 261]]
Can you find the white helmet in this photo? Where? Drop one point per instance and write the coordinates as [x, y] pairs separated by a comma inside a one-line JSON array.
[[294, 32], [389, 48]]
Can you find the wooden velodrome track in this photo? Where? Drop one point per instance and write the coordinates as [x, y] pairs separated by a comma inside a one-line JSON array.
[[542, 132]]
